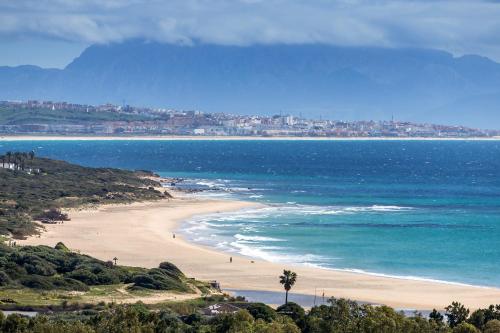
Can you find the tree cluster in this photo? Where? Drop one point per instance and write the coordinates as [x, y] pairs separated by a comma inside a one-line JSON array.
[[19, 160]]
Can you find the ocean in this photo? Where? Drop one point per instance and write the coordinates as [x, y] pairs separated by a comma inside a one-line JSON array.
[[411, 209]]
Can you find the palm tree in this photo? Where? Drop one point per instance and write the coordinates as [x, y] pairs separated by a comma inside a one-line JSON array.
[[288, 279]]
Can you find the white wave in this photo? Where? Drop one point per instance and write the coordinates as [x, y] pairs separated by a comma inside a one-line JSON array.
[[199, 239], [262, 214], [249, 229], [208, 183], [389, 208], [195, 228], [264, 254], [377, 208], [257, 238], [211, 194], [239, 189], [291, 208]]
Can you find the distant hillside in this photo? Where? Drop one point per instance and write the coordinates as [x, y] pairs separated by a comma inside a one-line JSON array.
[[335, 82], [12, 115]]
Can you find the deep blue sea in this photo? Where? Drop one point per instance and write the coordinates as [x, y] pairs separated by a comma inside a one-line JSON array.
[[415, 209]]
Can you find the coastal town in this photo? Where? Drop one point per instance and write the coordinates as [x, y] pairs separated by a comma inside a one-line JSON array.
[[63, 118]]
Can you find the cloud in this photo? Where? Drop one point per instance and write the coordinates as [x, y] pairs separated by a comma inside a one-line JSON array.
[[455, 25]]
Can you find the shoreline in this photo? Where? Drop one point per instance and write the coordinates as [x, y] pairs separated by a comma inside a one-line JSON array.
[[10, 138], [141, 234], [180, 232]]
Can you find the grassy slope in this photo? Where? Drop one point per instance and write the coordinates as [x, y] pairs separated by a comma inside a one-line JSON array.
[[60, 184]]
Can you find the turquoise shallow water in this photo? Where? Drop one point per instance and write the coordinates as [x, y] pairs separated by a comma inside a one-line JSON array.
[[418, 209]]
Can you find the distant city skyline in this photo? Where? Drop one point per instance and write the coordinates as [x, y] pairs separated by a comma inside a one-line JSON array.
[[108, 119], [50, 33]]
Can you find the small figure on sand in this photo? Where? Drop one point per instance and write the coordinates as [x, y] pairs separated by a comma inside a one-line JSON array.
[[173, 236], [230, 259]]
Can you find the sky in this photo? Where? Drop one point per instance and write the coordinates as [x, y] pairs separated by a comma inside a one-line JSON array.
[[50, 33]]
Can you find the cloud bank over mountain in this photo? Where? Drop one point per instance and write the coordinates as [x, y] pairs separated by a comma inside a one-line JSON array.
[[457, 26], [342, 59]]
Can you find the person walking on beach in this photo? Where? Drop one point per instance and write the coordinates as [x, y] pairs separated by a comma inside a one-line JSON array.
[[230, 259], [173, 236]]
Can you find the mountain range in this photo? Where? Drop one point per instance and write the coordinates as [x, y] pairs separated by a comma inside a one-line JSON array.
[[346, 83]]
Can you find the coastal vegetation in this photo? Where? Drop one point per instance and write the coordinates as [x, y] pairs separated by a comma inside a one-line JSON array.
[[35, 189], [338, 316], [43, 268]]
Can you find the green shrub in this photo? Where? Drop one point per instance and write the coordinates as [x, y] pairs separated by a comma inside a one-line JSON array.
[[294, 311], [171, 269], [15, 323], [261, 311], [492, 326], [39, 267], [144, 281], [465, 328], [4, 279], [68, 284], [168, 277], [37, 282], [84, 275], [61, 247], [107, 277]]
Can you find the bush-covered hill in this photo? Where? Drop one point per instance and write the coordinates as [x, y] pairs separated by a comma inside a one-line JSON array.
[[46, 268], [37, 185]]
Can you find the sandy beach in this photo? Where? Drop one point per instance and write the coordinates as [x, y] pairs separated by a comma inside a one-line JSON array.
[[141, 234], [224, 138]]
